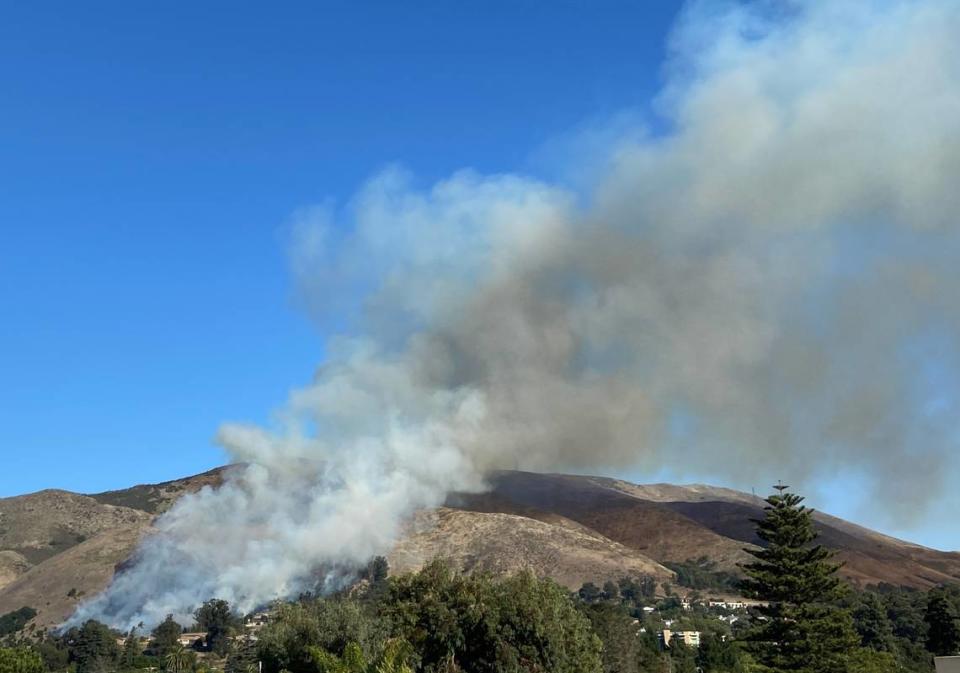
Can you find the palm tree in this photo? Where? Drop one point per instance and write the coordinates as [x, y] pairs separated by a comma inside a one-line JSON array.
[[178, 660]]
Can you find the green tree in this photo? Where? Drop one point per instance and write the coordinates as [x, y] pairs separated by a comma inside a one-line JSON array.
[[478, 625], [620, 637], [15, 621], [179, 659], [217, 620], [865, 660], [131, 649], [872, 623], [716, 655], [803, 629], [55, 653], [95, 648], [329, 624], [20, 660], [943, 631], [166, 637]]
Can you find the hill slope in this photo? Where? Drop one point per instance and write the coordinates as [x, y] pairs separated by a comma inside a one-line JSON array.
[[58, 547]]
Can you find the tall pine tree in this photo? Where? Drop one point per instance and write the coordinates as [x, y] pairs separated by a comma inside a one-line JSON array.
[[802, 627]]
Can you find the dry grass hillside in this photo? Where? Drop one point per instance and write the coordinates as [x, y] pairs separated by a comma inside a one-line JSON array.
[[506, 543], [55, 587], [57, 548], [12, 565], [42, 525]]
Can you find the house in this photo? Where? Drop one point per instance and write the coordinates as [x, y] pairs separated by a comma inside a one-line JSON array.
[[190, 639], [688, 638]]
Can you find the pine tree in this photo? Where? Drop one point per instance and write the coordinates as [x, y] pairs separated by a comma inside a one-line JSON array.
[[803, 629], [943, 636], [131, 649]]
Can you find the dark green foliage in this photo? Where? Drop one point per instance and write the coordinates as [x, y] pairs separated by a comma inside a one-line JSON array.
[[716, 655], [805, 628], [683, 659], [636, 591], [20, 660], [943, 629], [94, 648], [872, 623], [477, 624], [619, 633], [55, 653], [131, 649], [286, 642], [166, 637], [378, 569], [702, 573], [219, 623], [242, 659], [16, 620], [590, 593]]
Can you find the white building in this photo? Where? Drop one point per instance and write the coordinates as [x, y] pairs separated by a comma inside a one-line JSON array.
[[688, 638]]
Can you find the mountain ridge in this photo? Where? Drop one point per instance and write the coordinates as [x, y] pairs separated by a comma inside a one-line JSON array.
[[58, 548]]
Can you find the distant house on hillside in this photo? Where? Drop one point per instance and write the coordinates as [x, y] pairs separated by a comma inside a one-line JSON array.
[[190, 639], [688, 638]]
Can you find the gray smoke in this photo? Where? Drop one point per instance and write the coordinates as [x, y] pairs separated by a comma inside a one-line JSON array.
[[769, 285]]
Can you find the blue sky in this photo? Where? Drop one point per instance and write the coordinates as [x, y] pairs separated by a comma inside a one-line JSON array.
[[152, 155]]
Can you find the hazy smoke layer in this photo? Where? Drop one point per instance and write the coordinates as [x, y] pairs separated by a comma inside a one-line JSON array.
[[771, 284]]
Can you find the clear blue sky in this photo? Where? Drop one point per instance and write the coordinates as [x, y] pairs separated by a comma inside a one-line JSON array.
[[151, 154]]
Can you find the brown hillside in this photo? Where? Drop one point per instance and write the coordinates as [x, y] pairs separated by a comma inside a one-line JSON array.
[[55, 587], [12, 565], [44, 524], [504, 543], [573, 528], [648, 527]]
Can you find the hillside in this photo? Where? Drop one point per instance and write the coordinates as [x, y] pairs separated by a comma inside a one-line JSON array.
[[57, 548]]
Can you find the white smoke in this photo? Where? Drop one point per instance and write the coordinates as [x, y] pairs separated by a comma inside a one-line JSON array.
[[772, 282]]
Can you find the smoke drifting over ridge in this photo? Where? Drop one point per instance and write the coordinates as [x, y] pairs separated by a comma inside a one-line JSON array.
[[769, 285]]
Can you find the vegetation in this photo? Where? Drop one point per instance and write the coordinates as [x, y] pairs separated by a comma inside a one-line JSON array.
[[943, 629], [804, 629], [217, 620], [441, 621], [166, 637], [16, 620], [702, 573], [20, 660]]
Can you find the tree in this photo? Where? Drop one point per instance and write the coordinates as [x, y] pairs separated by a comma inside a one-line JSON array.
[[803, 629], [943, 631], [95, 648], [329, 624], [20, 660], [872, 623], [717, 655], [378, 570], [179, 659], [481, 625], [166, 637], [16, 620], [619, 634], [131, 649], [590, 593], [220, 624]]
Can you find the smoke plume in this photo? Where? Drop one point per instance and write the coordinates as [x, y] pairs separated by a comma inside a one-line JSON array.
[[768, 284]]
